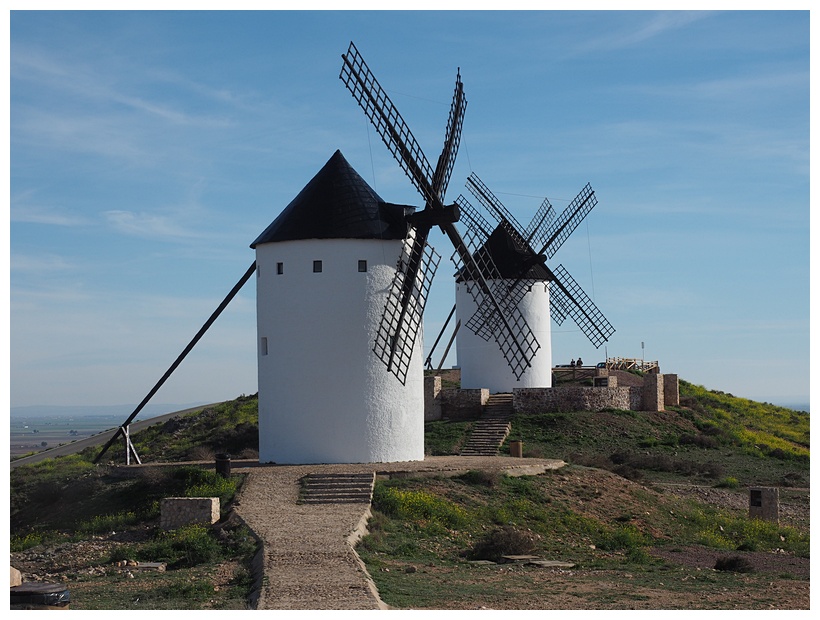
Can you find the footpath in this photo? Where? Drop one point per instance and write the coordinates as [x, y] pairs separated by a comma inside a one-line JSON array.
[[308, 559]]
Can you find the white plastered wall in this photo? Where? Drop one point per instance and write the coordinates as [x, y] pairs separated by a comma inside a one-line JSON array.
[[482, 363], [324, 396]]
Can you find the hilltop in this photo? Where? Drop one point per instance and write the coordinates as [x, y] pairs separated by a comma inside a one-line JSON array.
[[632, 480]]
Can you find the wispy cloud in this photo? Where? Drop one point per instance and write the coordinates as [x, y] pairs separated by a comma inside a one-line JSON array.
[[53, 216], [150, 225], [658, 24], [47, 263], [94, 84]]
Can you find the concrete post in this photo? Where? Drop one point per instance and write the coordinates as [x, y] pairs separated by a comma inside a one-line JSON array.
[[764, 503]]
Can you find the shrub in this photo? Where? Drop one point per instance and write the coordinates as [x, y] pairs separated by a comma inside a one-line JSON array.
[[699, 441], [625, 537], [628, 472], [21, 543], [729, 482], [735, 564], [480, 477], [507, 540]]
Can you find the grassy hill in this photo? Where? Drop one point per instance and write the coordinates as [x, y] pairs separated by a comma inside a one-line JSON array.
[[605, 512]]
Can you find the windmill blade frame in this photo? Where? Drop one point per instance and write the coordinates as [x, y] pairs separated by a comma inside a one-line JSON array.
[[396, 135], [388, 122], [401, 319], [540, 223], [567, 298], [568, 221]]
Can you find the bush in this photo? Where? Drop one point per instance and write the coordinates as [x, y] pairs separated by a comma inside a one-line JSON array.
[[730, 482], [626, 537], [480, 477], [735, 564], [507, 540], [699, 441]]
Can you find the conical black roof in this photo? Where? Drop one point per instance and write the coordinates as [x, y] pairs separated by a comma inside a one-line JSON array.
[[510, 256], [337, 204]]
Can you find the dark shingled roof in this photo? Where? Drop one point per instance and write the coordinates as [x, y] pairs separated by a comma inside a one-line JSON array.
[[509, 256], [337, 204]]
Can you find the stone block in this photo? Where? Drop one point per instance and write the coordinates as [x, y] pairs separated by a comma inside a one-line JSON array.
[[180, 511], [463, 404]]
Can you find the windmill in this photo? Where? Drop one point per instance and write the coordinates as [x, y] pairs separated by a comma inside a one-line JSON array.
[[520, 268], [402, 315], [330, 294]]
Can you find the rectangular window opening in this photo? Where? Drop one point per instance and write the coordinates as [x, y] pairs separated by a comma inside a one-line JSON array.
[[362, 266], [263, 346], [317, 266], [280, 268], [756, 498]]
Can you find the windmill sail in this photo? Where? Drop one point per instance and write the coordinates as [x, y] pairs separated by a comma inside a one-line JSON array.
[[403, 311], [567, 298]]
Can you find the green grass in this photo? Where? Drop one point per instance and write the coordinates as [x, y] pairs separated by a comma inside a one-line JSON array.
[[445, 437], [713, 439], [434, 526]]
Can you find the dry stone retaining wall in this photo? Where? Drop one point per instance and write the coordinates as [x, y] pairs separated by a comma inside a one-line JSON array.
[[463, 404], [657, 392], [540, 400]]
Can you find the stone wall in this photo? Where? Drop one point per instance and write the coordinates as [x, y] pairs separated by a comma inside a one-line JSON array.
[[652, 392], [432, 402], [657, 392], [462, 404], [671, 390], [179, 511], [540, 400]]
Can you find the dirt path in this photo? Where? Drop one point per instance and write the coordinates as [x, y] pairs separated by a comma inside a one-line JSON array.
[[307, 559]]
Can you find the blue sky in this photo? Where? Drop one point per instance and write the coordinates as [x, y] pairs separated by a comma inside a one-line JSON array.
[[149, 149]]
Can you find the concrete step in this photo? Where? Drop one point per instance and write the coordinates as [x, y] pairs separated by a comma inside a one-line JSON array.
[[490, 431], [337, 488]]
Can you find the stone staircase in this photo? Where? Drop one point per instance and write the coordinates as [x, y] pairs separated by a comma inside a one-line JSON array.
[[492, 428], [337, 488]]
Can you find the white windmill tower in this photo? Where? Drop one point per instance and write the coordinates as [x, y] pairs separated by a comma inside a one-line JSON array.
[[342, 276], [532, 292], [324, 267]]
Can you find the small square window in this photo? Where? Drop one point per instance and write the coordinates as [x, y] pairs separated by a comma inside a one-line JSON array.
[[280, 268], [317, 266], [263, 346], [362, 266]]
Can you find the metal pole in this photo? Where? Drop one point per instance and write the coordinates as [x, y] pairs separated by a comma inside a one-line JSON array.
[[449, 344], [181, 357]]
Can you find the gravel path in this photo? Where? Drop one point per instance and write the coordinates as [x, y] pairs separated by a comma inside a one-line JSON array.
[[307, 559]]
